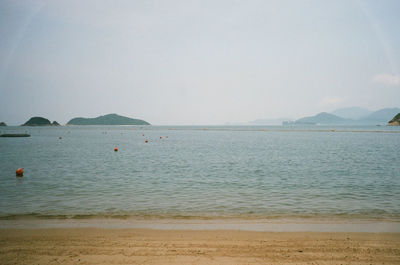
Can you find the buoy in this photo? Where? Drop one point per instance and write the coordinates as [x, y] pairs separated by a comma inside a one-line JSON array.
[[116, 149], [19, 172], [142, 134], [60, 137], [146, 141], [166, 136], [160, 137]]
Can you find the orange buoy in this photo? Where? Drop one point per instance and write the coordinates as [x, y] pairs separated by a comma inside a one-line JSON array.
[[19, 172], [142, 134], [116, 149], [166, 136], [160, 137], [146, 141]]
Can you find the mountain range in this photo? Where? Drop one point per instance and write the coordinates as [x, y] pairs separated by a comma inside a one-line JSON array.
[[353, 113], [351, 116]]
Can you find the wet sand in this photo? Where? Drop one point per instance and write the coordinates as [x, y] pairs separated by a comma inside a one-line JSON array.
[[146, 246]]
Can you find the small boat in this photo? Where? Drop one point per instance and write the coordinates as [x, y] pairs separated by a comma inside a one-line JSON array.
[[15, 135]]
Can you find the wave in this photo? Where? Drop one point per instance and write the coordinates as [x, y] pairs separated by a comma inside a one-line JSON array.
[[370, 216]]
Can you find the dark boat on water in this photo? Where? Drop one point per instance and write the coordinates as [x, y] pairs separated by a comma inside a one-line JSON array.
[[15, 135]]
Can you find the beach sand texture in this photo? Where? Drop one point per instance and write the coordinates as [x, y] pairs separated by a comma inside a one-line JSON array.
[[144, 246]]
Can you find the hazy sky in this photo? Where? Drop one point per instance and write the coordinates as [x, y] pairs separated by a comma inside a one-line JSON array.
[[196, 62]]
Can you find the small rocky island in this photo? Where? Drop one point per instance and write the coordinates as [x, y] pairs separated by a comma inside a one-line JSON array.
[[395, 121], [3, 124], [40, 121], [109, 119]]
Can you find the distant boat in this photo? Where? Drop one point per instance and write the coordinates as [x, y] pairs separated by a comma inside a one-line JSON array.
[[15, 135]]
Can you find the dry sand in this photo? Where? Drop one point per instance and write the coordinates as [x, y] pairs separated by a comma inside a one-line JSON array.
[[144, 246]]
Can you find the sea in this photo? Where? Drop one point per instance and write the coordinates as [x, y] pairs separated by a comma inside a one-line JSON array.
[[73, 172]]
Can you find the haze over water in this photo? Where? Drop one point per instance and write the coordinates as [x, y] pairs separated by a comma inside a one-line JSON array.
[[217, 171]]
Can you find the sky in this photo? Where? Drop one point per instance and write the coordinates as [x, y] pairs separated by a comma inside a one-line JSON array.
[[197, 62]]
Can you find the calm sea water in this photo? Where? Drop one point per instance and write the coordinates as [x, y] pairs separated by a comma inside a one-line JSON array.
[[201, 172]]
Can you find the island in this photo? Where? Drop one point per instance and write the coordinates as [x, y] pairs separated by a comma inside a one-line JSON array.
[[37, 121], [395, 121], [40, 121], [3, 124], [109, 119]]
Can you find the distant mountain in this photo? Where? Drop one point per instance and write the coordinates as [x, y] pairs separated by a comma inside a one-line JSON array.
[[395, 121], [37, 121], [109, 119], [353, 113], [236, 123], [323, 118], [380, 116], [268, 121]]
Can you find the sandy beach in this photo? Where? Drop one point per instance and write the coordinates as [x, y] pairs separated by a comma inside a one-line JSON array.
[[146, 246]]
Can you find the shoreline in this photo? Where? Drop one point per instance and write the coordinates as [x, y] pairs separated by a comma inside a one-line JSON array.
[[240, 224], [146, 246]]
